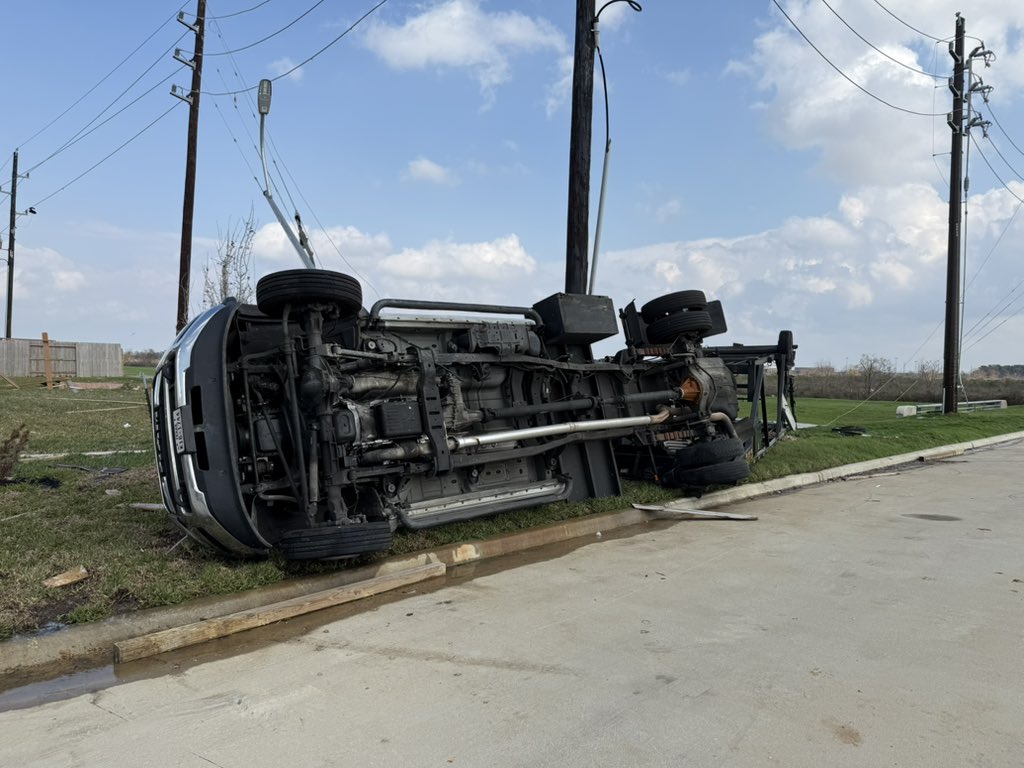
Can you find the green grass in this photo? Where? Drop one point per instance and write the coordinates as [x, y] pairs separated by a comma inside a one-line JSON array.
[[56, 515], [818, 448]]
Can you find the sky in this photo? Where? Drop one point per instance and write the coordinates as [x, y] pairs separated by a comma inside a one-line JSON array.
[[427, 151]]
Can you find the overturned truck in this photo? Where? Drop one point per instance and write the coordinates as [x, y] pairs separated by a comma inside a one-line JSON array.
[[310, 426]]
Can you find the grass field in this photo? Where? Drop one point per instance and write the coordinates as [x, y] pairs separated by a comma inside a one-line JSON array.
[[64, 508]]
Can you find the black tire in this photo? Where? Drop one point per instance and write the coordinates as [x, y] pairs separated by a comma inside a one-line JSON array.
[[668, 328], [708, 452], [725, 473], [304, 286], [331, 542], [672, 302]]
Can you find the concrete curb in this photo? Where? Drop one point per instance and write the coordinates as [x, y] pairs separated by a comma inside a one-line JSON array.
[[84, 646]]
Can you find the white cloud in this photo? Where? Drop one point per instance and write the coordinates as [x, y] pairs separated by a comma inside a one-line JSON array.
[[668, 210], [285, 64], [459, 34], [560, 90], [424, 169], [495, 261]]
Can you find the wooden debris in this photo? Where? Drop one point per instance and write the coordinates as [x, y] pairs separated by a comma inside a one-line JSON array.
[[73, 576], [209, 629]]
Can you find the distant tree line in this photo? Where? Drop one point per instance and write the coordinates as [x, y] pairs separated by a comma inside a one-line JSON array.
[[877, 378]]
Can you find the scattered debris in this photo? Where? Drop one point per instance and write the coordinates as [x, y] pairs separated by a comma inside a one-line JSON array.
[[76, 386], [9, 381], [696, 514], [851, 431], [10, 450], [99, 471], [73, 576], [147, 507], [113, 491]]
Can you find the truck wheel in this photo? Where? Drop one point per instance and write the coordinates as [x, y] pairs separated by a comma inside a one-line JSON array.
[[672, 302], [304, 286], [725, 473], [708, 452], [332, 542], [667, 328]]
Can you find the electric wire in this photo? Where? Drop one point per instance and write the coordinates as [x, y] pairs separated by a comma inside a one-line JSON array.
[[1000, 178], [85, 130], [999, 325], [100, 162], [881, 386], [96, 127], [275, 155], [908, 26], [237, 13], [272, 35], [245, 124], [846, 77], [945, 182], [995, 245], [303, 63], [879, 50], [1005, 302], [1003, 130], [104, 78]]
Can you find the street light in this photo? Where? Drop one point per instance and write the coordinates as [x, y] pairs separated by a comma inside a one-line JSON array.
[[300, 243]]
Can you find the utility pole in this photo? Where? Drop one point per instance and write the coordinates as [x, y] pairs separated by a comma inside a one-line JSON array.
[[951, 353], [10, 245], [188, 206], [577, 225]]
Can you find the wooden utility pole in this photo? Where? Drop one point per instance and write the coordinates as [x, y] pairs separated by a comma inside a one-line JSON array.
[[10, 245], [951, 352], [578, 219], [188, 206]]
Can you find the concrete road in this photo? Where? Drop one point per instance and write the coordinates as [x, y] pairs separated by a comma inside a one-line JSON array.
[[872, 622]]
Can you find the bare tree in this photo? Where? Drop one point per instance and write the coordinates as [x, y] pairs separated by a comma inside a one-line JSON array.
[[873, 371], [230, 273]]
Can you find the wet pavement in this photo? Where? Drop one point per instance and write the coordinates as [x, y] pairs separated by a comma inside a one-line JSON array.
[[876, 621]]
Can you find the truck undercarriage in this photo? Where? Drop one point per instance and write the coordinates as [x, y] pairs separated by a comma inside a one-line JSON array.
[[310, 426]]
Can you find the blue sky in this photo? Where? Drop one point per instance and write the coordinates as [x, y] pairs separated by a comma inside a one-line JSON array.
[[430, 145]]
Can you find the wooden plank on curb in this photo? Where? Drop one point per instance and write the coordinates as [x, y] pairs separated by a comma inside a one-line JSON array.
[[209, 629]]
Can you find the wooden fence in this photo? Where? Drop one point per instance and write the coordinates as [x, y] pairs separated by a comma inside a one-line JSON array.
[[25, 357]]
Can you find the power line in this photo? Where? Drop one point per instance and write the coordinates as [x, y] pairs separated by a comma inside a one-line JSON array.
[[301, 64], [1001, 305], [908, 26], [992, 250], [275, 155], [84, 130], [1000, 178], [996, 327], [237, 13], [879, 50], [71, 142], [96, 165], [272, 34], [103, 79], [996, 119], [846, 77]]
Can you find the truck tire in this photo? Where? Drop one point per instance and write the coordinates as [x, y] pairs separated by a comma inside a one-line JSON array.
[[724, 473], [668, 328], [708, 452], [304, 286], [672, 302], [335, 541]]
